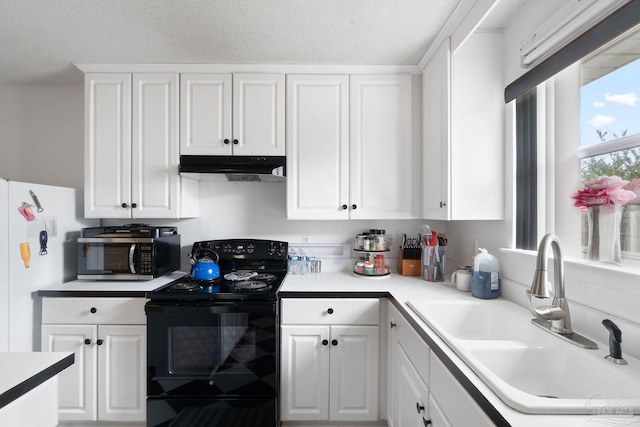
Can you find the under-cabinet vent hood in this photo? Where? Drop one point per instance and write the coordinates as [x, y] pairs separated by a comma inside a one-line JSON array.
[[234, 168]]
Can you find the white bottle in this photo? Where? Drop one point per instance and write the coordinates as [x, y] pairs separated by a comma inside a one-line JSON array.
[[485, 283]]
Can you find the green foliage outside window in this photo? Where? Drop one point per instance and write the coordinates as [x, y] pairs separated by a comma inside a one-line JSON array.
[[624, 163]]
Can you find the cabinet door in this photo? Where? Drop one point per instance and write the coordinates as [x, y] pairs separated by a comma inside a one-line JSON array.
[[411, 401], [155, 154], [436, 415], [258, 114], [392, 345], [477, 129], [122, 373], [76, 384], [455, 402], [205, 114], [436, 104], [354, 373], [317, 147], [381, 154], [304, 393], [107, 176]]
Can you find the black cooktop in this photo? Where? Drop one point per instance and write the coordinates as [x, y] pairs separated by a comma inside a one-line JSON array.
[[250, 269]]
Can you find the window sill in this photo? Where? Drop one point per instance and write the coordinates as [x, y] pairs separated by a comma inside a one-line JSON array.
[[521, 266]]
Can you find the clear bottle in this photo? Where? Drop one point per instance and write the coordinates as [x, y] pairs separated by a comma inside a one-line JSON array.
[[292, 265], [302, 262]]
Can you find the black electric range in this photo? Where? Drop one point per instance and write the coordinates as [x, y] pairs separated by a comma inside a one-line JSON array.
[[250, 269], [212, 346]]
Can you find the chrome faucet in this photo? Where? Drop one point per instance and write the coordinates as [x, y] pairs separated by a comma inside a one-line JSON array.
[[554, 318]]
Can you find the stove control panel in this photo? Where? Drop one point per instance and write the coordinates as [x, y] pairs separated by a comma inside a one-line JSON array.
[[250, 249]]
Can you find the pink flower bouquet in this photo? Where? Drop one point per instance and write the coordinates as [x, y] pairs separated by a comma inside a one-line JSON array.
[[605, 191]]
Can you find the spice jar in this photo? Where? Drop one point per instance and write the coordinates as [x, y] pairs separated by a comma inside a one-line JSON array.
[[379, 264]]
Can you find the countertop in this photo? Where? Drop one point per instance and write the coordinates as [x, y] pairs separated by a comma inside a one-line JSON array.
[[400, 289], [108, 288], [22, 372]]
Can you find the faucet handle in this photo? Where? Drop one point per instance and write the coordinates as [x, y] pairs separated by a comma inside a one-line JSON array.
[[615, 339]]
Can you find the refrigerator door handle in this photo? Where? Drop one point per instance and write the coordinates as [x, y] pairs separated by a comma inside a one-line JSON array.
[[132, 251]]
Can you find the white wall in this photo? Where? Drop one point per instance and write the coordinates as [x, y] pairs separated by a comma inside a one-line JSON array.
[[41, 134], [594, 291]]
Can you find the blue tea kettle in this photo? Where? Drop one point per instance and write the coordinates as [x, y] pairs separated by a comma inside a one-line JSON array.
[[203, 267]]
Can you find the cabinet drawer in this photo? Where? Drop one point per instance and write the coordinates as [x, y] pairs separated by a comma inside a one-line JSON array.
[[417, 350], [87, 311], [330, 311]]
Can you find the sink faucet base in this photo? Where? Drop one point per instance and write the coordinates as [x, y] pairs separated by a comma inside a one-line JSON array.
[[574, 337]]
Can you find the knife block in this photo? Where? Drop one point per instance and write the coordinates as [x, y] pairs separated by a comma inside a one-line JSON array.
[[408, 267]]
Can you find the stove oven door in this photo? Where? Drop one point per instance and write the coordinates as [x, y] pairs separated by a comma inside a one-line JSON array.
[[211, 364]]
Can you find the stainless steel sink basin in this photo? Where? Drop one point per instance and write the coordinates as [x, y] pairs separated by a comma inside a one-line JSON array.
[[528, 368]]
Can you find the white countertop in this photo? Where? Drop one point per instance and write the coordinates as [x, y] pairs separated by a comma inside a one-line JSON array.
[[21, 372], [403, 289], [136, 288]]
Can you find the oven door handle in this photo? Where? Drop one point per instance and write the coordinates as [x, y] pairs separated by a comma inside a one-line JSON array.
[[132, 252]]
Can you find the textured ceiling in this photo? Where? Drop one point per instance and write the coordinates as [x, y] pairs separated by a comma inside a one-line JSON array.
[[41, 39]]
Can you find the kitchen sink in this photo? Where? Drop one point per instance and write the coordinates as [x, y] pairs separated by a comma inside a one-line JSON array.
[[560, 379], [528, 368], [477, 320]]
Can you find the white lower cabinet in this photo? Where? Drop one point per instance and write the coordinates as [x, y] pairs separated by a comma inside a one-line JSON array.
[[456, 403], [422, 392], [412, 394], [107, 381], [329, 360]]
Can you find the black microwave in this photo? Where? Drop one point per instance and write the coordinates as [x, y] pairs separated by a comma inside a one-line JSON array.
[[129, 252]]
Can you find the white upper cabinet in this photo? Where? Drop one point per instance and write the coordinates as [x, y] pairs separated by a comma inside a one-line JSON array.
[[131, 151], [232, 114], [107, 167], [317, 146], [349, 147], [380, 157], [205, 114], [463, 131], [436, 132]]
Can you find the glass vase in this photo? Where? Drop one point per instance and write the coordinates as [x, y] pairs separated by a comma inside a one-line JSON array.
[[603, 243]]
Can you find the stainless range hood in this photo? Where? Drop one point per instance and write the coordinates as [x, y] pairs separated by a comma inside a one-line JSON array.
[[235, 168]]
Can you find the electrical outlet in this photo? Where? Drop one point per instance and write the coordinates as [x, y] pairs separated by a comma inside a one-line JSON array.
[[305, 239]]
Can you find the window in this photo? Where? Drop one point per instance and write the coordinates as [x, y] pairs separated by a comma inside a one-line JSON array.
[[581, 64], [526, 171], [610, 135]]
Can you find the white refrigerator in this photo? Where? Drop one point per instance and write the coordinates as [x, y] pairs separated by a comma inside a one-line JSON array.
[[21, 221]]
